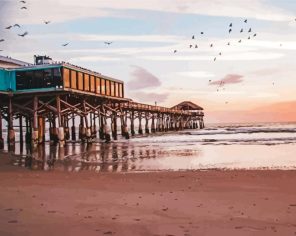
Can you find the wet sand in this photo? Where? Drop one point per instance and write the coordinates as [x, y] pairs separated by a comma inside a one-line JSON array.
[[255, 202]]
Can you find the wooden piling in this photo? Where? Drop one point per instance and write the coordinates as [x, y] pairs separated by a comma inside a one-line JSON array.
[[1, 134], [11, 133]]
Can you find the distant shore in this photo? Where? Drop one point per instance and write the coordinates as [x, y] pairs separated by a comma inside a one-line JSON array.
[[147, 203]]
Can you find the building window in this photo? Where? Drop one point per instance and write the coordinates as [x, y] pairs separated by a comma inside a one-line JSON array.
[[66, 77], [80, 81], [120, 90], [98, 85], [86, 82], [73, 79], [57, 77], [107, 87], [116, 90], [103, 86], [92, 84], [112, 88]]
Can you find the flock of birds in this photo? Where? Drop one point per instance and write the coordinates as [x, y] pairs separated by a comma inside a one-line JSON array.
[[230, 30], [25, 7]]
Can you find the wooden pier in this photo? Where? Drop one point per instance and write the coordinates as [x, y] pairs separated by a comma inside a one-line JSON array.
[[55, 97]]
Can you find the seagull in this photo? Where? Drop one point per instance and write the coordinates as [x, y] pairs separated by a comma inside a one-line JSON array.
[[229, 31], [211, 45], [240, 41], [2, 40], [230, 25], [228, 43], [249, 37], [242, 30], [210, 80], [64, 45], [190, 46], [254, 35], [17, 25], [24, 8], [108, 43], [9, 27], [1, 50], [246, 20], [46, 22], [196, 46], [220, 53], [250, 30], [192, 36], [175, 51], [215, 59], [23, 2], [23, 35], [201, 32]]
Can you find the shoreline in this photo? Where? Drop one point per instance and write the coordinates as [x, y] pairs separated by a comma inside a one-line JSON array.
[[212, 202]]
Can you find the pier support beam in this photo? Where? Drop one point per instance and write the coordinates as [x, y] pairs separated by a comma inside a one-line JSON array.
[[73, 131], [153, 124], [61, 133], [1, 134], [133, 123], [35, 123], [140, 131], [114, 126], [11, 133], [147, 124]]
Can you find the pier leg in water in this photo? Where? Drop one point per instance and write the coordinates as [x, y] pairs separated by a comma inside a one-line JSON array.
[[101, 129], [114, 126], [147, 124], [153, 124], [61, 133], [73, 131], [82, 130], [140, 123], [133, 124], [1, 135], [11, 133], [35, 123], [41, 130], [107, 133]]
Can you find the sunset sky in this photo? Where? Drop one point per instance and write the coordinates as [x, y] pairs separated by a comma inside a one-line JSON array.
[[250, 81]]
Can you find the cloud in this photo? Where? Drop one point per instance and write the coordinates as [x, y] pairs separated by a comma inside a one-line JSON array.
[[151, 98], [142, 79], [72, 9], [196, 74], [228, 79]]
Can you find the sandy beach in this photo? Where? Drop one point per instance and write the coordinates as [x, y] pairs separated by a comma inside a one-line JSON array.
[[147, 203]]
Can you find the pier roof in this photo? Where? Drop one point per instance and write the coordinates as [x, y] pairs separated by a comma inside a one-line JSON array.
[[187, 105]]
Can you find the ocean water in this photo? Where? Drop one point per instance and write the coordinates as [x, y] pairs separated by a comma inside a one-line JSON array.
[[218, 146]]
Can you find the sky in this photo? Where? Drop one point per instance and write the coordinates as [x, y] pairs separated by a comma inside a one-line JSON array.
[[252, 80]]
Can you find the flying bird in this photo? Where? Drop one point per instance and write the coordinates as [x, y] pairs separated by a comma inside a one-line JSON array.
[[240, 41], [108, 43], [175, 51], [196, 46], [64, 45], [249, 37], [254, 35], [201, 32], [190, 46], [23, 2], [228, 43], [211, 45], [246, 20], [17, 25], [23, 35], [215, 59], [242, 30], [193, 37], [2, 40], [229, 31], [250, 30], [220, 53], [46, 22], [230, 25], [9, 27], [23, 8]]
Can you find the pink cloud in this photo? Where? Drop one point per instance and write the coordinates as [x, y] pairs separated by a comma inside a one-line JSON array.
[[142, 79], [228, 79]]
